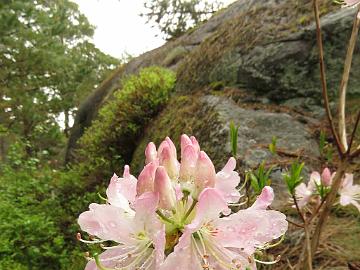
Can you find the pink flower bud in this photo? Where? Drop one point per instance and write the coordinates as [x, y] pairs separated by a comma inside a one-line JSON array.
[[205, 175], [326, 178], [169, 161], [184, 141], [162, 185], [146, 178], [188, 163], [150, 153], [195, 143], [172, 147]]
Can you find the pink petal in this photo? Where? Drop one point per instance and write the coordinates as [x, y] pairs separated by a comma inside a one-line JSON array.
[[121, 191], [150, 153], [184, 256], [227, 180], [146, 205], [106, 222], [345, 200], [264, 199], [315, 179], [146, 178], [302, 194], [348, 180], [210, 204], [159, 240], [163, 186], [250, 228], [205, 175], [108, 259]]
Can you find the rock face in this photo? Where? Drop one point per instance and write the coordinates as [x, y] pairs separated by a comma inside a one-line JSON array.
[[256, 129], [255, 54]]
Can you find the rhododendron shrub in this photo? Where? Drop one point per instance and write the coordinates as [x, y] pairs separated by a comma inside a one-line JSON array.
[[176, 215]]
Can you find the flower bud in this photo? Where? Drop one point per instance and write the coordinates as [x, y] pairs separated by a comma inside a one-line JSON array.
[[162, 185], [150, 153], [184, 141], [169, 161], [146, 178], [188, 163], [204, 173], [195, 143], [326, 179], [172, 147]]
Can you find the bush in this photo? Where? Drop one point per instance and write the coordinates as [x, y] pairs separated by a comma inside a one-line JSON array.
[[111, 140], [38, 212]]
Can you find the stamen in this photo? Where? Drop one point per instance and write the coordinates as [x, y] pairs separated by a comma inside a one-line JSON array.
[[245, 182], [239, 204], [101, 197], [148, 260], [139, 255], [95, 241], [268, 245], [269, 263], [98, 264], [214, 252]]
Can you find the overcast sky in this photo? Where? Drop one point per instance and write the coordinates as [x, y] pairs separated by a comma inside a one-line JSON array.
[[119, 28]]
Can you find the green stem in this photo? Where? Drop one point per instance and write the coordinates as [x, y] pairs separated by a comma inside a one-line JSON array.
[[98, 264], [165, 218], [189, 210]]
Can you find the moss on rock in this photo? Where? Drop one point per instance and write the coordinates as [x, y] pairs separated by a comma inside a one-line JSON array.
[[183, 114], [110, 141]]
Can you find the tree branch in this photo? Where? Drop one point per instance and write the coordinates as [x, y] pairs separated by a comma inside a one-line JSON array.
[[323, 79], [354, 132], [345, 79]]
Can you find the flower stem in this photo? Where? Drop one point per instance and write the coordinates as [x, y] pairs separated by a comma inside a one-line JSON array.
[[189, 210], [161, 215]]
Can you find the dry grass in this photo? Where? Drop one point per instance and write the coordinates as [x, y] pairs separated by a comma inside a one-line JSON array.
[[340, 243]]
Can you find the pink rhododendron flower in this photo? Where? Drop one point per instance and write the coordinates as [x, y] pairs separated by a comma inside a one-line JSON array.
[[304, 193], [212, 242], [349, 193], [179, 209]]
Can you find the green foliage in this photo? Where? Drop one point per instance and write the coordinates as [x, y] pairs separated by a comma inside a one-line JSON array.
[[112, 138], [293, 178], [38, 212], [233, 138], [272, 145], [260, 178]]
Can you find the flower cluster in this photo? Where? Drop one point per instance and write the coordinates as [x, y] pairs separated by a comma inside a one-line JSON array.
[[177, 216], [319, 185]]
